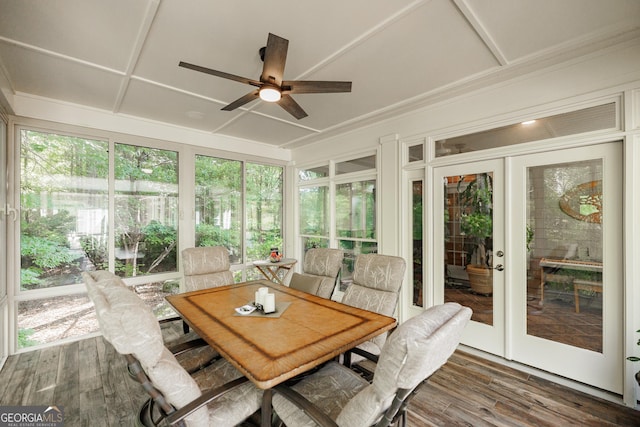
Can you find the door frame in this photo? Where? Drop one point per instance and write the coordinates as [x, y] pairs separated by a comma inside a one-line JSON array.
[[488, 338], [562, 359]]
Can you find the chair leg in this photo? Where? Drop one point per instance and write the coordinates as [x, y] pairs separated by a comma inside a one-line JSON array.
[[185, 327]]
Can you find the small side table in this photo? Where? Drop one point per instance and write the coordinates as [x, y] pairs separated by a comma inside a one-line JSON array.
[[271, 270]]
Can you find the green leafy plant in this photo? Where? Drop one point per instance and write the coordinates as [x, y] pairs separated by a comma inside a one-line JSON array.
[[476, 221], [635, 358], [44, 253], [24, 339]]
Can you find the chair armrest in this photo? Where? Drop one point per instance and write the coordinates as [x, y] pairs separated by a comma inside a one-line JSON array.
[[365, 354], [305, 405], [187, 346], [207, 397], [361, 352], [169, 319]]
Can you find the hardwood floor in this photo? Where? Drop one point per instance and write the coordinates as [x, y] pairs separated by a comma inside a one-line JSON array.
[[89, 379]]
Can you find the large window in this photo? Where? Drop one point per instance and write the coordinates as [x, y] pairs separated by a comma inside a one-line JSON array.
[[219, 204], [355, 221], [146, 210], [96, 204], [264, 199], [314, 216], [63, 208], [223, 210], [337, 208]]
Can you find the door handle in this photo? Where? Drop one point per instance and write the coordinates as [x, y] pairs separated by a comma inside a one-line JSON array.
[[499, 267]]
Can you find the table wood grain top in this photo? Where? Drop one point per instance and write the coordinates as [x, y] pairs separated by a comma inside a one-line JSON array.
[[268, 351]]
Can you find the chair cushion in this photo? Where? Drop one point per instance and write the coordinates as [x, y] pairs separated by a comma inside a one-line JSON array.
[[233, 407], [305, 283], [131, 327], [376, 300], [204, 281], [323, 262], [383, 272], [327, 285], [331, 388], [177, 386], [204, 260], [414, 351]]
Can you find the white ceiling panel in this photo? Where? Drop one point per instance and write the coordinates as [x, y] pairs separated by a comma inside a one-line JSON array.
[[101, 32], [162, 104], [122, 55], [255, 127], [53, 77], [523, 28]]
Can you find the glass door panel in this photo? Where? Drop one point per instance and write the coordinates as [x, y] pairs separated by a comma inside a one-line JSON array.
[[470, 263], [566, 243], [417, 196], [469, 244]]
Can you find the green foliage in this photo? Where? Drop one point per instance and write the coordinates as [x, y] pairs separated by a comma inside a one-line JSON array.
[[477, 224], [160, 245], [53, 228], [634, 358], [211, 235], [96, 250], [24, 339], [260, 247], [30, 277], [476, 220], [44, 253], [530, 234]]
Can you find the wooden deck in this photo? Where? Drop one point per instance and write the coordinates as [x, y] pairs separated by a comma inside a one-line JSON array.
[[89, 379]]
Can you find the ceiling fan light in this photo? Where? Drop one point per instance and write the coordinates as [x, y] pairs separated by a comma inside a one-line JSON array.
[[270, 94]]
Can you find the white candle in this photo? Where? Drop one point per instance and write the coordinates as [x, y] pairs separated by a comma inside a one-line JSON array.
[[260, 295], [269, 303]]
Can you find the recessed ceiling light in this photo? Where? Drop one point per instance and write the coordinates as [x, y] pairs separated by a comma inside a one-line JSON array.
[[528, 122]]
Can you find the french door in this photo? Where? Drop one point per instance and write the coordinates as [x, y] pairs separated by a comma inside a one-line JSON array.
[[469, 224], [550, 258], [566, 308]]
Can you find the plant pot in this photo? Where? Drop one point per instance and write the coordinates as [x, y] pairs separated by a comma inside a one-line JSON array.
[[480, 279]]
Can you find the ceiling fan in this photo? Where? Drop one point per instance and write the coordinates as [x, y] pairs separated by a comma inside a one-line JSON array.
[[271, 87]]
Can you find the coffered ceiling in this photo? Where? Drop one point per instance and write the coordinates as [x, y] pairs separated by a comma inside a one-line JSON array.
[[122, 56]]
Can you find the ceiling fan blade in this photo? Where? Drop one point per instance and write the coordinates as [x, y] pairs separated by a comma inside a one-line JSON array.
[[275, 56], [301, 86], [241, 101], [292, 107], [219, 74]]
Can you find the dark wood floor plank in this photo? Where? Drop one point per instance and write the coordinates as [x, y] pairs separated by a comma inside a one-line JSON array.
[[113, 372], [95, 389], [89, 366], [5, 375], [21, 382], [46, 377], [67, 392], [94, 409]]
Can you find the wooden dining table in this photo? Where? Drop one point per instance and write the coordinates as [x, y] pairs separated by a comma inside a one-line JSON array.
[[304, 332]]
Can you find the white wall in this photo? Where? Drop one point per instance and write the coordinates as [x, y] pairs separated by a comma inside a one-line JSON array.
[[561, 87], [585, 78]]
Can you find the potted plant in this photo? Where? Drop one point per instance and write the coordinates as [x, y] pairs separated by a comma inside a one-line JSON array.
[[476, 222], [636, 359]]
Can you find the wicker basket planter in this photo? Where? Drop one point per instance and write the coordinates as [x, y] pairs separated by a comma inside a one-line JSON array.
[[480, 279]]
